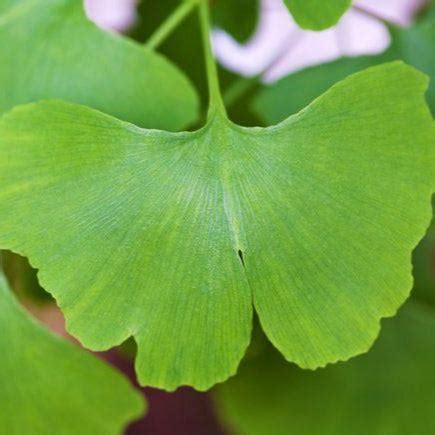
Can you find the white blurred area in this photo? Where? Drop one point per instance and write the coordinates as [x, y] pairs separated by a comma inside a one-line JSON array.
[[113, 15], [279, 46]]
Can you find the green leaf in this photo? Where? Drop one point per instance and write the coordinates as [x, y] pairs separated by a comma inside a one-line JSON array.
[[47, 385], [50, 50], [8, 4], [237, 17], [389, 391], [171, 237], [317, 14], [292, 93], [417, 48]]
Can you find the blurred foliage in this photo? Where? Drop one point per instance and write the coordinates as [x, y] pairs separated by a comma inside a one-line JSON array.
[[65, 56], [184, 48], [50, 386], [424, 266], [389, 391], [295, 91], [237, 17], [317, 14], [416, 46], [23, 278]]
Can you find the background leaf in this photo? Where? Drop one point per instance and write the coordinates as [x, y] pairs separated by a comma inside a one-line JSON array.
[[424, 267], [292, 93], [23, 278], [184, 46], [390, 390], [66, 56], [317, 14], [237, 17], [47, 385]]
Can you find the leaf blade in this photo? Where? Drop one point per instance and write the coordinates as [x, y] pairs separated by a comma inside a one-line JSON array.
[[147, 227]]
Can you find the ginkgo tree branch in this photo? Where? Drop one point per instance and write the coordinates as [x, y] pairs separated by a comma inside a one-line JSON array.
[[216, 104], [181, 12]]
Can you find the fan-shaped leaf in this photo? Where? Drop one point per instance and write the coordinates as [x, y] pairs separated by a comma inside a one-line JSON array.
[[50, 50], [170, 237], [47, 385]]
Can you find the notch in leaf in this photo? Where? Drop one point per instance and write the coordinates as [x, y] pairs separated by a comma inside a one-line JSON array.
[[138, 232]]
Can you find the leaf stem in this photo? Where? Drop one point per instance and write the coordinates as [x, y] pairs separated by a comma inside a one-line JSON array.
[[171, 23], [216, 104]]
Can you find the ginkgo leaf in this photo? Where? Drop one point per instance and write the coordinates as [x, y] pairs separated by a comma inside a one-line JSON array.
[[317, 14], [295, 91], [391, 390], [49, 49], [172, 237], [49, 386]]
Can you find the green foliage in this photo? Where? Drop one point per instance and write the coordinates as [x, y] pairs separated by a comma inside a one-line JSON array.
[[23, 278], [183, 46], [238, 17], [49, 386], [147, 227], [65, 56], [417, 47], [389, 391], [424, 267], [317, 14], [294, 92]]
